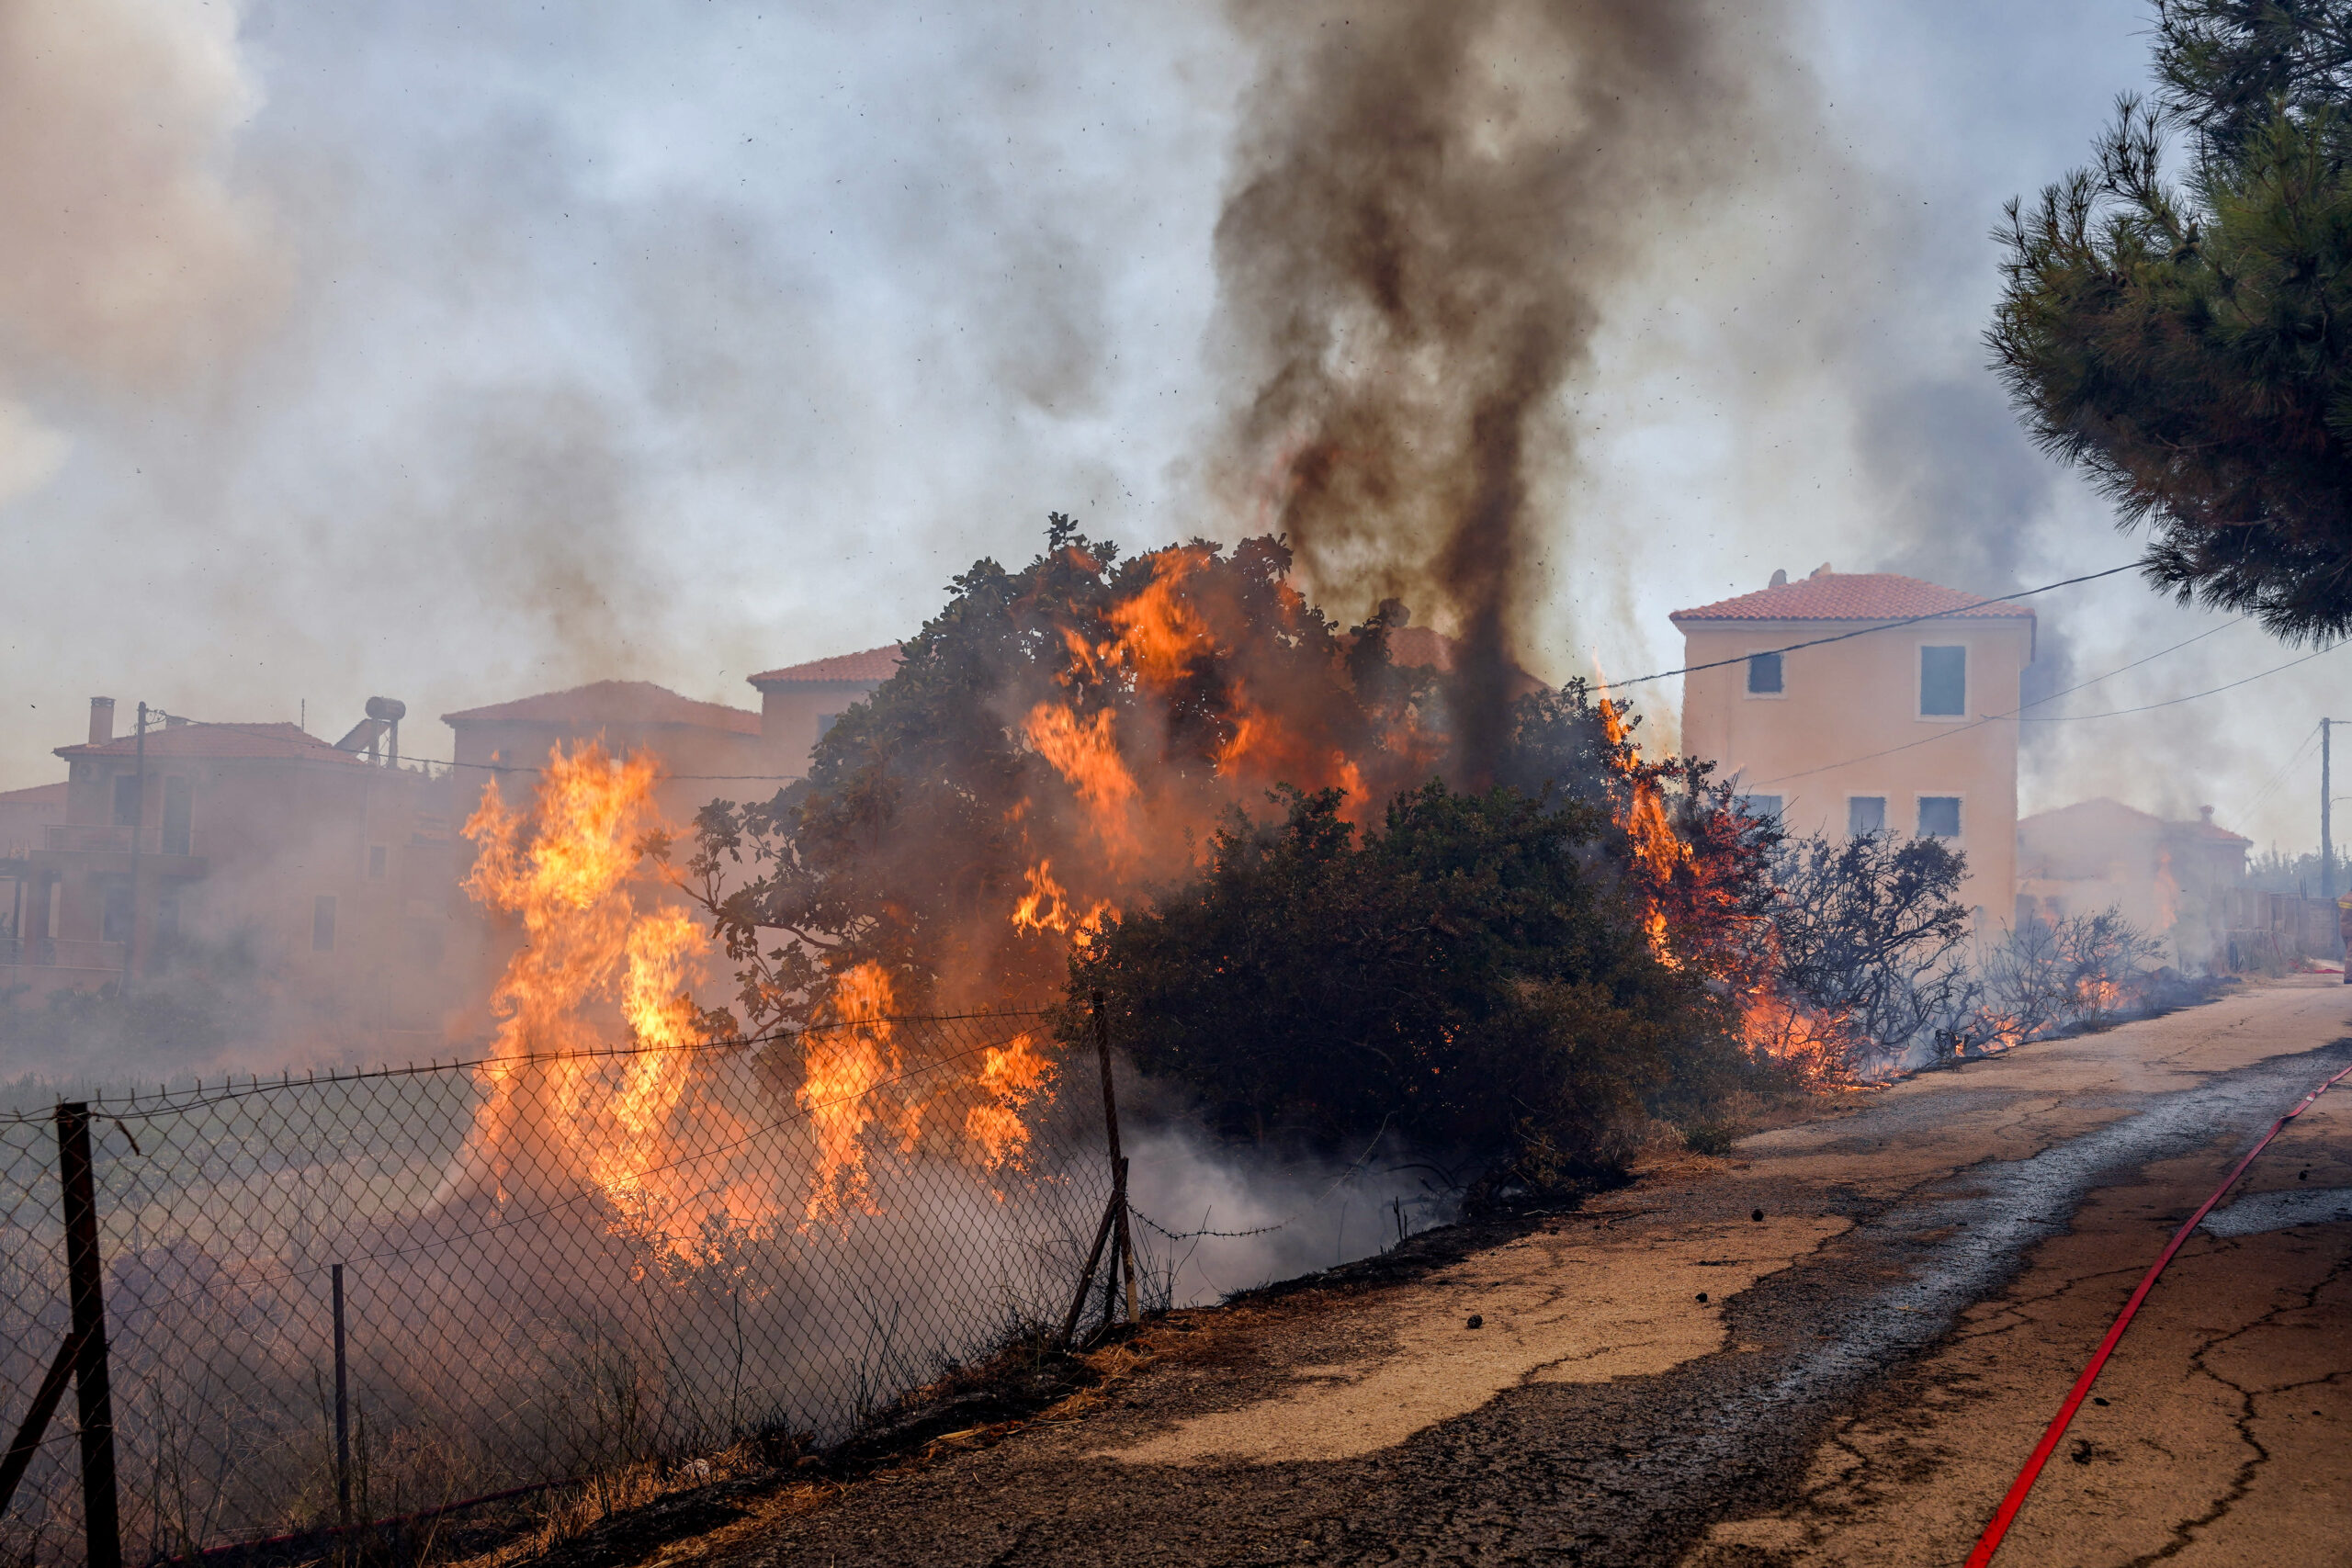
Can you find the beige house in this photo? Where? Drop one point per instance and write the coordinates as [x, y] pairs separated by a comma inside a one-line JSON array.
[[1909, 727], [2176, 880], [801, 702]]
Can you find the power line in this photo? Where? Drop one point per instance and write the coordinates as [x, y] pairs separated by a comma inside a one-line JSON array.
[[2055, 718], [1882, 626], [2264, 793], [480, 767]]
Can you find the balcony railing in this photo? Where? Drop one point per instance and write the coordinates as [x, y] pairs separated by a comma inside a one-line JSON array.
[[53, 953], [80, 837]]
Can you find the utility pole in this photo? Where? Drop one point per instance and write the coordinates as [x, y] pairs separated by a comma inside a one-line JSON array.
[[138, 831], [2326, 807]]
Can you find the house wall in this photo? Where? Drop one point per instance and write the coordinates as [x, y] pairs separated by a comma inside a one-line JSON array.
[[699, 762], [793, 716], [267, 838], [1847, 722]]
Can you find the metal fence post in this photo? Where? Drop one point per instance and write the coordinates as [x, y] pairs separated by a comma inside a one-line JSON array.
[[85, 1277], [342, 1414]]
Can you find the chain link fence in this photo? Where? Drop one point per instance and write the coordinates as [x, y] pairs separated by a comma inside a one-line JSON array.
[[341, 1298]]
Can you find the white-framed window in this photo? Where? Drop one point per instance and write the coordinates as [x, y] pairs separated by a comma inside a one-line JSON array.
[[1763, 807], [379, 856], [1943, 682], [322, 923], [1939, 817], [1865, 814], [1766, 675]]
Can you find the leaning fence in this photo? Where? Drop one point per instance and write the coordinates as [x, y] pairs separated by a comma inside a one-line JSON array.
[[296, 1306]]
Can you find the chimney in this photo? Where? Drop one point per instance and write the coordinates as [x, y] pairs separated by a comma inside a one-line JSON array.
[[101, 720]]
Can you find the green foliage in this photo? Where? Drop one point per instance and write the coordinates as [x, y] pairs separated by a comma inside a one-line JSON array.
[[2190, 344], [1469, 974], [924, 807]]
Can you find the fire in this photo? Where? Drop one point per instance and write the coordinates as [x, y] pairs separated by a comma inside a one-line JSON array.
[[2167, 893], [601, 936], [1160, 635], [1690, 919], [1087, 755], [1046, 907], [844, 1062], [1014, 1074]]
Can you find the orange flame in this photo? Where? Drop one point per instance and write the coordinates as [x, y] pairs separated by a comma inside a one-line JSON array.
[[1160, 635], [1087, 755], [599, 936], [843, 1064], [1014, 1074]]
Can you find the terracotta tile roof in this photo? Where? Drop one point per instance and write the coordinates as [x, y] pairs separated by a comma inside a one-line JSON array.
[[40, 794], [610, 701], [2086, 817], [875, 664], [1853, 596], [225, 741]]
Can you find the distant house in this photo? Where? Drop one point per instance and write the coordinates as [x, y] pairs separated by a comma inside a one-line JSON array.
[[324, 868], [2178, 880], [707, 750], [799, 703], [1910, 728]]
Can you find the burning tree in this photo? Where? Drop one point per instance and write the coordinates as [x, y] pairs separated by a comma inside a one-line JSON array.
[[1055, 792], [1057, 740]]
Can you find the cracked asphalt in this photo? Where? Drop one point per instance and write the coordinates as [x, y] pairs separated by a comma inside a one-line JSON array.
[[1935, 1266]]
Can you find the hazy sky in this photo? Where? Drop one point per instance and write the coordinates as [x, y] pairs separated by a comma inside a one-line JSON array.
[[459, 351]]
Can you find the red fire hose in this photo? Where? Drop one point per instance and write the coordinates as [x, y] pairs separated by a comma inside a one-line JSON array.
[[1990, 1541]]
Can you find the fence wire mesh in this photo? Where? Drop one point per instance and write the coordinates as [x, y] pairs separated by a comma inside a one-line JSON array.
[[553, 1266]]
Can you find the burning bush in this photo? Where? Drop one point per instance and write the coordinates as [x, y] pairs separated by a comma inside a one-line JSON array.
[[1501, 956], [1473, 972], [1868, 945], [1057, 738], [2044, 976]]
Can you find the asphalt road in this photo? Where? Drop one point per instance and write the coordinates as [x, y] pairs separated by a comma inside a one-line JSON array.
[[1664, 1378]]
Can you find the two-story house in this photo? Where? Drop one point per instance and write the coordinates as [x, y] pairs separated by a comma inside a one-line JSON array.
[[1906, 723], [317, 872]]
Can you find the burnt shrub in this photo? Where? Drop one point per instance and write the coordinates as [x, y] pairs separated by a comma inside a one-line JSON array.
[[1470, 972]]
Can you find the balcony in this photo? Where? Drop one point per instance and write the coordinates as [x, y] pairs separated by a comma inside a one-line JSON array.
[[53, 953], [96, 839]]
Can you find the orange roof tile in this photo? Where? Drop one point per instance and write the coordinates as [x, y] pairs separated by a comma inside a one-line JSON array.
[[1853, 596], [876, 665], [225, 741], [610, 701]]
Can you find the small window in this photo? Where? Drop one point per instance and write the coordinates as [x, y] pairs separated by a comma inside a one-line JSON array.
[[1939, 817], [376, 855], [825, 722], [1763, 807], [1764, 675], [126, 800], [1865, 814], [1943, 682], [322, 923]]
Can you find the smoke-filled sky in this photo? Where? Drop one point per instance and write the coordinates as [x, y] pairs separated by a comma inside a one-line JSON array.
[[460, 350]]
